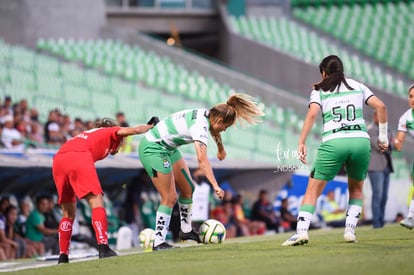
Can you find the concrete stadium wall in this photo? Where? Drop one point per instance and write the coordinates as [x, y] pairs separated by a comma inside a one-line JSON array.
[[24, 21]]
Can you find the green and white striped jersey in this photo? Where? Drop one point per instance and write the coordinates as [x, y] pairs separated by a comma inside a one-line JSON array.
[[180, 128], [406, 122], [342, 110]]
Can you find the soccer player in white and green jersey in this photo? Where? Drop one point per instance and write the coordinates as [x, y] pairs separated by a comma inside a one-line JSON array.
[[164, 164], [344, 141], [406, 125]]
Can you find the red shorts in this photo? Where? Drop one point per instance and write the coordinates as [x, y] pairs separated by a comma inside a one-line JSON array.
[[75, 175]]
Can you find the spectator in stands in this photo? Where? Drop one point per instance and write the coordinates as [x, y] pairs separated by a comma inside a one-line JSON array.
[[288, 219], [22, 127], [10, 136], [52, 218], [25, 207], [34, 136], [121, 119], [52, 129], [406, 126], [162, 160], [245, 227], [78, 127], [8, 106], [36, 229], [24, 248], [344, 141], [7, 245], [67, 126], [23, 109], [262, 210], [4, 204], [89, 124], [74, 174]]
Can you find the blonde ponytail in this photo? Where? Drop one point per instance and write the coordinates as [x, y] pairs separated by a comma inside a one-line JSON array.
[[238, 107]]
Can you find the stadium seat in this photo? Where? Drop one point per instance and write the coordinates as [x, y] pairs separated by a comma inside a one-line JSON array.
[[378, 29], [285, 34]]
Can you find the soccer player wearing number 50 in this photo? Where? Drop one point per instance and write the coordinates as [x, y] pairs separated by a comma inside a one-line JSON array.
[[75, 175], [163, 162], [406, 125], [344, 141]]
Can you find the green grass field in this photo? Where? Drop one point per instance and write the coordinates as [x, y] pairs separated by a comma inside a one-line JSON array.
[[381, 251]]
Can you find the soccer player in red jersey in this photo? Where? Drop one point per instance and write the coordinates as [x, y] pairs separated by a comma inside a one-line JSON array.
[[75, 175]]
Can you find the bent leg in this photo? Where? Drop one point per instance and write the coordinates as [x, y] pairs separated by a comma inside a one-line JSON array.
[[164, 183], [186, 187], [99, 219]]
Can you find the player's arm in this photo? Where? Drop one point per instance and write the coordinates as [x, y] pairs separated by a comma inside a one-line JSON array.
[[381, 110], [310, 119], [221, 154], [128, 131], [205, 167]]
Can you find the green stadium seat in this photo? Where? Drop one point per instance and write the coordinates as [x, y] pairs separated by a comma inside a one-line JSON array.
[[380, 29]]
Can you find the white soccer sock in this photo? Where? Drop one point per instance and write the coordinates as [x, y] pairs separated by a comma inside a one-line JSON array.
[[161, 227], [185, 216], [411, 210], [352, 217], [304, 220]]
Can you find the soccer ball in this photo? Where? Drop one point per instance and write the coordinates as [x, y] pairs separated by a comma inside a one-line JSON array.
[[212, 231], [146, 238]]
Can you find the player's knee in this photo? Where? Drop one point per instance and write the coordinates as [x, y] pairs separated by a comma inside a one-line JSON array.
[[172, 199]]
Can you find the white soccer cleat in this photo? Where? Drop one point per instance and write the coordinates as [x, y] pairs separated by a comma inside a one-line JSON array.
[[297, 239], [350, 237], [407, 223]]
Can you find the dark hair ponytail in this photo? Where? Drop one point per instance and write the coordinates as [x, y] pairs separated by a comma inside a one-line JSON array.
[[333, 67]]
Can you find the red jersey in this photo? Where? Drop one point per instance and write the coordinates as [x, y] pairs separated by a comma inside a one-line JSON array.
[[98, 141]]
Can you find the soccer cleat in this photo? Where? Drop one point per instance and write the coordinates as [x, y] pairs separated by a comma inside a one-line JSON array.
[[297, 239], [350, 237], [105, 251], [162, 246], [63, 259], [407, 223], [192, 235]]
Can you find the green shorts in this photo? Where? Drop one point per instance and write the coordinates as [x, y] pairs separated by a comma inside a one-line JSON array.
[[156, 157], [353, 152]]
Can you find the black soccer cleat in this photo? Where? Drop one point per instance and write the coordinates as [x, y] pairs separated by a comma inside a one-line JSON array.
[[63, 259], [162, 246], [192, 235], [105, 251]]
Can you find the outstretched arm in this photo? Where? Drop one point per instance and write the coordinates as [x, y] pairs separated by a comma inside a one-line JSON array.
[[128, 131], [205, 166]]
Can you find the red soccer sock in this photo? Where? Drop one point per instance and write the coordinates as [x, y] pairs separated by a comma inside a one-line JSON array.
[[65, 233], [100, 225]]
